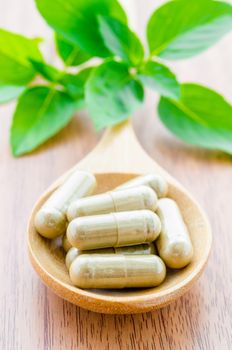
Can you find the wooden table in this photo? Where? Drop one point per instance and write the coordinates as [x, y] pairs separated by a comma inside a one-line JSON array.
[[31, 316]]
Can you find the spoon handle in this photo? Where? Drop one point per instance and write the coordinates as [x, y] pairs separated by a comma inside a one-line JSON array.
[[119, 151]]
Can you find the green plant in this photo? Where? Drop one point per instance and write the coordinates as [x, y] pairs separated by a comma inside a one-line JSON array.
[[113, 89]]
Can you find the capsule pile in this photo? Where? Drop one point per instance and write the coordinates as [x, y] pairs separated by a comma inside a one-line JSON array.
[[124, 238]]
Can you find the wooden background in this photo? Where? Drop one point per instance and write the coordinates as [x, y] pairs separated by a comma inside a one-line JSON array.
[[31, 316]]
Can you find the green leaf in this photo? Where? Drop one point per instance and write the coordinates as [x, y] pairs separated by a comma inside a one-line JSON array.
[[71, 54], [120, 40], [47, 71], [41, 112], [159, 78], [76, 21], [181, 29], [112, 94], [75, 85], [15, 51], [202, 117], [10, 92]]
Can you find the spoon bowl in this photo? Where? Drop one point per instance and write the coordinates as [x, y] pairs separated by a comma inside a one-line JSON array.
[[116, 159]]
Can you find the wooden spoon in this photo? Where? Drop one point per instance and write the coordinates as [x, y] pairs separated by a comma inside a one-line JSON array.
[[117, 158]]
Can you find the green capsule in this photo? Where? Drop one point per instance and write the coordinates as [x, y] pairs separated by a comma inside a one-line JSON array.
[[140, 249], [50, 220], [156, 182], [114, 230], [174, 244], [142, 197], [111, 271]]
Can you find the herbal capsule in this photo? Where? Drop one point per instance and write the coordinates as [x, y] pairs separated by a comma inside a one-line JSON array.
[[114, 230], [174, 244], [142, 197], [71, 255], [156, 182], [65, 243], [117, 271], [50, 220], [140, 249]]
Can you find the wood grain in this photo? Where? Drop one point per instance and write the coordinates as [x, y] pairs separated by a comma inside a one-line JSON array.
[[31, 316]]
